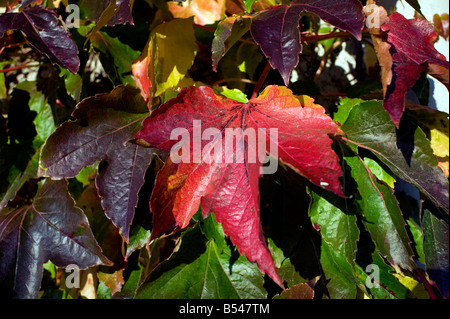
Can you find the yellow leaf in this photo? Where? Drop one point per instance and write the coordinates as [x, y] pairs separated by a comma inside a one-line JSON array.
[[417, 290], [167, 57], [439, 143]]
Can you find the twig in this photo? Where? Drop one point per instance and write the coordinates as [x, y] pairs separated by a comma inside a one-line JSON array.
[[325, 58], [14, 68], [199, 26], [261, 80]]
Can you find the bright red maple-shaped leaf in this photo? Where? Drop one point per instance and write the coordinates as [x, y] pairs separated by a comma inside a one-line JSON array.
[[412, 43], [229, 188]]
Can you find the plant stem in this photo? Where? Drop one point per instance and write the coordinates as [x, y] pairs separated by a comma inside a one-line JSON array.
[[261, 80], [199, 26], [14, 68], [427, 285], [325, 58], [325, 36]]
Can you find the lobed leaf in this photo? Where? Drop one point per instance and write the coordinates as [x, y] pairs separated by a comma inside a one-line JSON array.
[[103, 130], [230, 188], [50, 228]]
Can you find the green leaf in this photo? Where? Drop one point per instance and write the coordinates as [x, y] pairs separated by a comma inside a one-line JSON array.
[[379, 172], [248, 5], [439, 143], [386, 286], [139, 237], [335, 218], [74, 84], [417, 237], [344, 108], [228, 32], [370, 127], [436, 250], [234, 94], [381, 215], [116, 58], [20, 179], [200, 270]]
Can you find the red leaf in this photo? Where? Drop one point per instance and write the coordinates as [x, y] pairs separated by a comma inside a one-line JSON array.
[[415, 38], [412, 48], [230, 188]]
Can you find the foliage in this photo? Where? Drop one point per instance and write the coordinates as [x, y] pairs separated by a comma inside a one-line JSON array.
[[356, 208]]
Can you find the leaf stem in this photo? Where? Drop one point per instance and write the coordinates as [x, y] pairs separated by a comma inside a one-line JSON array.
[[427, 284], [261, 80], [330, 35], [234, 80], [199, 26]]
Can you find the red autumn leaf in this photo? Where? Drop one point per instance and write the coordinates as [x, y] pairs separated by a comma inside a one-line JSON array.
[[226, 185], [415, 38], [412, 47]]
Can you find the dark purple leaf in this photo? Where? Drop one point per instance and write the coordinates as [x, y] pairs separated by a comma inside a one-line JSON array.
[[123, 13], [108, 12], [104, 128], [276, 30], [42, 31], [52, 228]]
